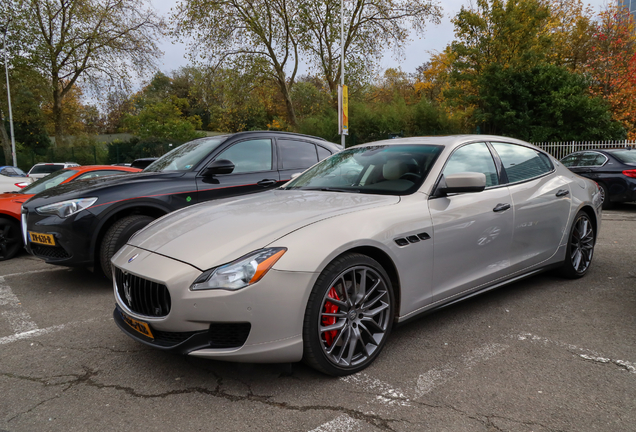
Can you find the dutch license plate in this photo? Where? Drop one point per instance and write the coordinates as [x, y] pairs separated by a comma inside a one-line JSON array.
[[138, 326], [45, 239]]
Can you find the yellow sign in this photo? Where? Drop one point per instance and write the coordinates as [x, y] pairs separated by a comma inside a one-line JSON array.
[[345, 110]]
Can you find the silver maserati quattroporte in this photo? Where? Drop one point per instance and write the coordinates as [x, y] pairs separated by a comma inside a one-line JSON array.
[[323, 267]]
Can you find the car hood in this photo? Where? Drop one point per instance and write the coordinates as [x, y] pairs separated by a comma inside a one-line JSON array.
[[84, 188], [217, 232]]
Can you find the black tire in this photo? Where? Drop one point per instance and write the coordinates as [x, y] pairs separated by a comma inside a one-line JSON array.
[[117, 236], [10, 238], [607, 204], [362, 321], [580, 248]]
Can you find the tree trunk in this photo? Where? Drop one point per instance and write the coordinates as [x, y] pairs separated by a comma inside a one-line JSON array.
[[6, 142], [57, 116], [291, 113]]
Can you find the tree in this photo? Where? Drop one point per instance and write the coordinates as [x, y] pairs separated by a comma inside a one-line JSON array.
[[71, 40], [370, 26], [163, 120], [544, 103], [262, 32], [612, 65]]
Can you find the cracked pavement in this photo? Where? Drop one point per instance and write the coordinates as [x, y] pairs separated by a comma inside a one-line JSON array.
[[544, 354]]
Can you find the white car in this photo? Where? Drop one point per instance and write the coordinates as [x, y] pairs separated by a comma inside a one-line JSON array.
[[322, 268], [13, 179], [40, 170]]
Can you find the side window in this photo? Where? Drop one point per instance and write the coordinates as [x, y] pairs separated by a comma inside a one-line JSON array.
[[473, 158], [571, 160], [11, 172], [323, 153], [522, 163], [249, 156], [101, 173], [4, 171], [589, 159], [297, 154]]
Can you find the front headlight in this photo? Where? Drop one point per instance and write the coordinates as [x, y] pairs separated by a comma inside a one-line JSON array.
[[238, 274], [65, 209]]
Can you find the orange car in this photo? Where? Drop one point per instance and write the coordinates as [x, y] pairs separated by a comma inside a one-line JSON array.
[[11, 202]]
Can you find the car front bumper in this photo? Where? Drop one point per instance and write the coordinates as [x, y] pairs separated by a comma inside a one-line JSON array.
[[260, 323], [72, 237]]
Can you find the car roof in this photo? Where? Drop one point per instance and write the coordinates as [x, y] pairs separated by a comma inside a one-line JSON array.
[[82, 168], [449, 141]]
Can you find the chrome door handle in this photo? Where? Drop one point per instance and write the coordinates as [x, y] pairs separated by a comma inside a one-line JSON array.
[[501, 207], [266, 182], [563, 192]]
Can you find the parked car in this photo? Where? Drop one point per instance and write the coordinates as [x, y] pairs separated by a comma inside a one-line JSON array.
[[40, 170], [85, 224], [13, 179], [323, 267], [11, 203], [143, 162], [613, 169]]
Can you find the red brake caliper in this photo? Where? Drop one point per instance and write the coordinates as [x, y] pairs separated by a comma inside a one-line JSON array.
[[329, 320]]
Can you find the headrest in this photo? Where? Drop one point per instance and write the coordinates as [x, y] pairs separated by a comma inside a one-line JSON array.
[[394, 169]]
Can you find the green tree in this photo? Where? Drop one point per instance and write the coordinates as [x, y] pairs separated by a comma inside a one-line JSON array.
[[88, 40], [163, 119], [543, 103]]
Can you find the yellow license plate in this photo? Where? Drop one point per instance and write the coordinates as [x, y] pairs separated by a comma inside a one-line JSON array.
[[45, 239], [137, 325]]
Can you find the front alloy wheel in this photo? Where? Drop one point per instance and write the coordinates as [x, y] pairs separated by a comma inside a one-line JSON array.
[[580, 247], [349, 315]]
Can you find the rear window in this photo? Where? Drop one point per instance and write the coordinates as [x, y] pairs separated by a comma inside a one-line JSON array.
[[45, 169], [625, 156]]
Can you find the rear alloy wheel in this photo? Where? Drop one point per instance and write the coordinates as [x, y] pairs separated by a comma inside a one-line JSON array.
[[10, 238], [349, 316], [580, 248], [607, 204], [117, 236]]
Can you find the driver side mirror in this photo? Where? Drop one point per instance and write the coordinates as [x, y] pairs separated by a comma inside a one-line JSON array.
[[461, 182], [221, 166]]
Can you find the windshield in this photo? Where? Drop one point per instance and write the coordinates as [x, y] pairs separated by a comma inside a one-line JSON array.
[[186, 156], [45, 169], [625, 156], [49, 181], [385, 169]]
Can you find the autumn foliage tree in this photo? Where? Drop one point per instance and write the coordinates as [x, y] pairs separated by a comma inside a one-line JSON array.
[[612, 65]]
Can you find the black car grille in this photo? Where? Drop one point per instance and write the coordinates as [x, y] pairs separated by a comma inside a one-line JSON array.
[[229, 335], [57, 252], [141, 295]]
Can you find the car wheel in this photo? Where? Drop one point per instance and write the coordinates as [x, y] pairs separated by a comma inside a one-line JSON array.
[[580, 248], [349, 315], [607, 204], [10, 238], [117, 236]]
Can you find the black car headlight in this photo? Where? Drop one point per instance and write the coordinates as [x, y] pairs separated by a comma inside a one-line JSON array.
[[65, 209], [241, 273]]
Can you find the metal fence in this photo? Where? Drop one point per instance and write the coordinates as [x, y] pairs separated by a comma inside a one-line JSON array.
[[561, 149]]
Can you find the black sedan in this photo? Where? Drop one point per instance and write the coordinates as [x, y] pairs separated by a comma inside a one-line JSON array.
[[613, 169], [85, 223]]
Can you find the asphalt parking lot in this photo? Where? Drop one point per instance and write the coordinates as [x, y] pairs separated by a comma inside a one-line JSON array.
[[544, 354]]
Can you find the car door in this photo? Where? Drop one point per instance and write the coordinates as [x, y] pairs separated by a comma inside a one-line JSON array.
[[254, 170], [541, 200], [472, 232]]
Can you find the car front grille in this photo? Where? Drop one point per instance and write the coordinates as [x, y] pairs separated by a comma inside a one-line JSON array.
[[55, 252], [228, 335], [142, 296]]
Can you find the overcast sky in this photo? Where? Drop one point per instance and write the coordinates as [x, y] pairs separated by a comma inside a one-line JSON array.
[[436, 38]]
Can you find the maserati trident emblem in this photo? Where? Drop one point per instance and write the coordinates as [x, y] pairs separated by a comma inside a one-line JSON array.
[[127, 293], [132, 258]]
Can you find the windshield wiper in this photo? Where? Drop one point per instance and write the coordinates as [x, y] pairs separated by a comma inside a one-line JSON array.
[[332, 189]]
